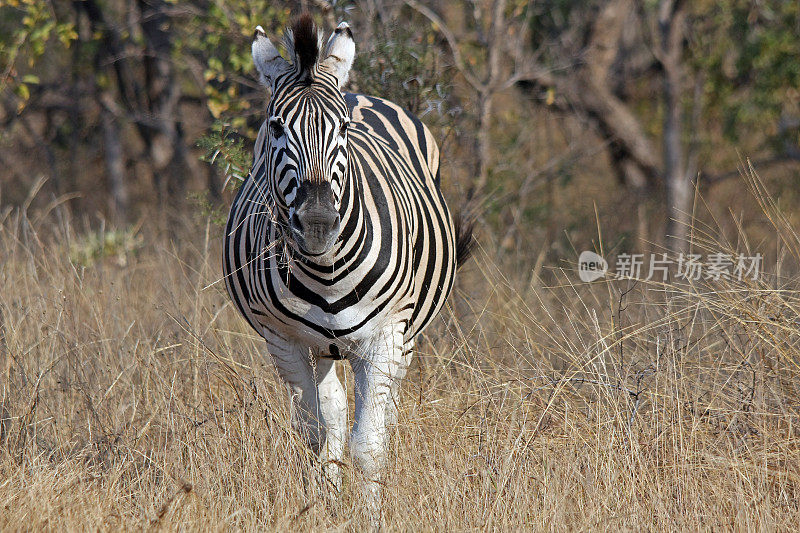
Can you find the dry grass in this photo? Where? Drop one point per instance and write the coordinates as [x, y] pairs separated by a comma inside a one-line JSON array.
[[135, 397]]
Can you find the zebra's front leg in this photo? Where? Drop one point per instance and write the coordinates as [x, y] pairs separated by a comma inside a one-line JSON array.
[[377, 377], [394, 400], [317, 402], [333, 408]]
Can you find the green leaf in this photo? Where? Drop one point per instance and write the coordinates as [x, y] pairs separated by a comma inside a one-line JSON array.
[[22, 91]]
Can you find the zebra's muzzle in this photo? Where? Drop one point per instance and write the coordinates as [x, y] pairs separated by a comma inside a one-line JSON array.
[[315, 223]]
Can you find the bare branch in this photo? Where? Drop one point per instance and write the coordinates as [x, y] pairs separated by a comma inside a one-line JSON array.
[[790, 156], [452, 43], [498, 25]]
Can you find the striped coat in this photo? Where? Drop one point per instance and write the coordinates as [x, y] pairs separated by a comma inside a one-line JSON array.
[[396, 260], [339, 245]]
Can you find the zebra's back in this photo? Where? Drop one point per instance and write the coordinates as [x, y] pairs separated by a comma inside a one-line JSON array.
[[433, 249]]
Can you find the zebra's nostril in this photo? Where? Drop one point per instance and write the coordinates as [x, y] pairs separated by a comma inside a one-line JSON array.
[[322, 217], [295, 223]]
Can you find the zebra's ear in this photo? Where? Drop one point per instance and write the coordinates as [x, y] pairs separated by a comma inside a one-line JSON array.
[[340, 52], [267, 59]]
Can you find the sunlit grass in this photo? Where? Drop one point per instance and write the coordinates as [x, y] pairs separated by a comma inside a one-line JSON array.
[[134, 397]]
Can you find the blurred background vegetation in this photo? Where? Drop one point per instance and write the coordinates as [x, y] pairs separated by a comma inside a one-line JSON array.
[[560, 116], [132, 394]]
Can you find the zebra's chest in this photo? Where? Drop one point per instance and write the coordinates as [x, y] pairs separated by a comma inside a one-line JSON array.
[[334, 307], [343, 308]]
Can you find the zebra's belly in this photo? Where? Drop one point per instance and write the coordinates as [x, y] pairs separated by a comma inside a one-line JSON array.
[[348, 328]]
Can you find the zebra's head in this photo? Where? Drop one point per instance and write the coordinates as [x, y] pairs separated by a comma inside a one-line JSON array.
[[306, 145]]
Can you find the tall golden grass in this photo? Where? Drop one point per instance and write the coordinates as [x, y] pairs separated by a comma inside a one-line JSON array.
[[135, 397]]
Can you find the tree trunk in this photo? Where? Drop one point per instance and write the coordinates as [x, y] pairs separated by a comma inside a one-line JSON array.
[[115, 168], [167, 148], [677, 181], [494, 43], [482, 143]]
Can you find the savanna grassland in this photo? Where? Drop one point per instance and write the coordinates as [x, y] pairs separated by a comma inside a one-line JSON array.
[[135, 397]]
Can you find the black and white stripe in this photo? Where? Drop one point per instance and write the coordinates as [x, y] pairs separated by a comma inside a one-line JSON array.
[[396, 253], [393, 263]]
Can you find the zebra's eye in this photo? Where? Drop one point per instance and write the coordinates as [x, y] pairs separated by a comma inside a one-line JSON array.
[[276, 127], [343, 126]]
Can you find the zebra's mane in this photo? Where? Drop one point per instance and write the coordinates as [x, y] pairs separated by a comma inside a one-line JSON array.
[[304, 42]]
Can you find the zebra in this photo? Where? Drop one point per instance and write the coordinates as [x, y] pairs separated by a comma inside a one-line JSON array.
[[339, 244]]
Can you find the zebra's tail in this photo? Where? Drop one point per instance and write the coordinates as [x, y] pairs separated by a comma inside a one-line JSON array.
[[464, 224]]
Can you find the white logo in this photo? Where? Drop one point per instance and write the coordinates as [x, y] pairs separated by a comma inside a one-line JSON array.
[[690, 267], [591, 266]]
